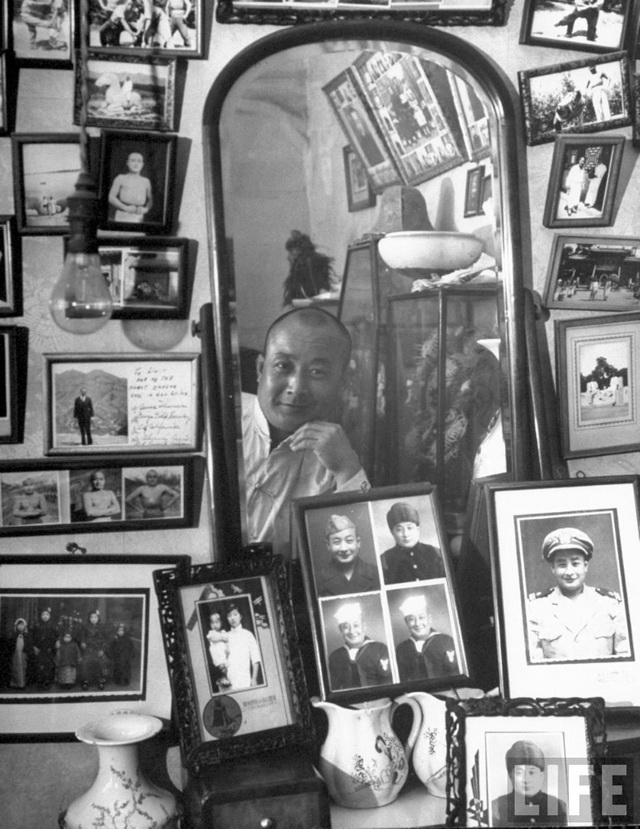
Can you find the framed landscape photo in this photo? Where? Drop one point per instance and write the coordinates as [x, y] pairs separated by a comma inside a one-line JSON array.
[[121, 403], [149, 277], [81, 638], [128, 92], [234, 658], [599, 383], [590, 26], [579, 96], [10, 410], [175, 29], [594, 273], [136, 181], [42, 32], [561, 743], [558, 548], [105, 494], [45, 170], [10, 269], [378, 580], [583, 181], [359, 192]]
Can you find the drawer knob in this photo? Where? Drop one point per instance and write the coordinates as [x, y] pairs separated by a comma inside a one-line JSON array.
[[268, 823]]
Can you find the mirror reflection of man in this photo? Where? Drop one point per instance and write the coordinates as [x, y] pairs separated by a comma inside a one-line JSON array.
[[360, 662], [573, 620], [346, 571], [293, 444], [427, 653]]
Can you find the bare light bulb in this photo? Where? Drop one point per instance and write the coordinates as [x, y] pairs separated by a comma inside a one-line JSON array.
[[81, 300]]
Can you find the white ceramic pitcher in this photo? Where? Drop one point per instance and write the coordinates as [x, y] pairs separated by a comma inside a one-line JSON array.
[[362, 760], [427, 741]]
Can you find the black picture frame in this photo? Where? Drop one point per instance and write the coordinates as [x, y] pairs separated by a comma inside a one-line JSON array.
[[150, 181], [150, 277], [473, 196], [593, 273], [10, 269], [262, 12], [532, 521], [566, 736], [360, 194], [598, 384], [178, 34], [542, 25], [45, 39], [151, 103], [390, 600], [272, 714], [580, 96], [8, 83], [59, 499], [10, 409], [45, 169], [130, 398], [122, 589], [565, 204]]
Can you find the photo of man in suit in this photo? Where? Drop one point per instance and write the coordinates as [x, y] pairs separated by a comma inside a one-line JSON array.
[[83, 412]]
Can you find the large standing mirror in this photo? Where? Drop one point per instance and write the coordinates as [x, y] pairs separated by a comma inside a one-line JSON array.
[[370, 137]]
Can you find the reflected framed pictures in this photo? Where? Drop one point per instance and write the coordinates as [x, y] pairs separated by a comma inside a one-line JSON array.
[[81, 637], [104, 494], [594, 273], [10, 269], [42, 34], [473, 197], [150, 277], [599, 383], [583, 181], [10, 410], [429, 12], [233, 656], [579, 96], [560, 742], [136, 181], [359, 192], [121, 403], [45, 170], [379, 584], [175, 29], [136, 92], [555, 548], [589, 27]]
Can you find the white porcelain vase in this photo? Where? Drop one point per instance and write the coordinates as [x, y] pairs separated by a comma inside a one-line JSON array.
[[121, 797]]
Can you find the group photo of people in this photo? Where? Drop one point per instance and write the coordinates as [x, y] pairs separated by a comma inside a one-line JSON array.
[[384, 599], [145, 24], [71, 643]]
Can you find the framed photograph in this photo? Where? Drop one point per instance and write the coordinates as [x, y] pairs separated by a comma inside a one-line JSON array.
[[583, 181], [8, 82], [136, 181], [491, 742], [635, 133], [128, 92], [80, 638], [576, 97], [10, 429], [359, 192], [234, 663], [430, 12], [45, 170], [360, 128], [594, 273], [102, 495], [175, 29], [474, 192], [565, 562], [473, 118], [42, 32], [10, 269], [103, 403], [412, 105], [150, 277], [590, 27], [378, 579], [599, 383]]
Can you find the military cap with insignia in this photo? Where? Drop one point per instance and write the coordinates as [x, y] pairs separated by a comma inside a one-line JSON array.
[[567, 538]]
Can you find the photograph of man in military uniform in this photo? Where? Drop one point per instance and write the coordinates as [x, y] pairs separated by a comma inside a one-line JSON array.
[[575, 592]]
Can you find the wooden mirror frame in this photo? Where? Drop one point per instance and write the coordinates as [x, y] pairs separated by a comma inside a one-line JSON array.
[[507, 154]]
